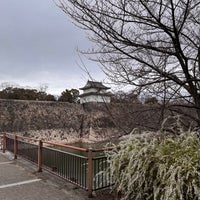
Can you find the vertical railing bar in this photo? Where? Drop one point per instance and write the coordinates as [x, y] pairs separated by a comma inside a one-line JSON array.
[[90, 173], [40, 156], [102, 174], [78, 165], [108, 178], [56, 162], [81, 171], [68, 169], [66, 165], [95, 169], [61, 165], [71, 168], [99, 169], [74, 169], [74, 164], [77, 169], [53, 160], [84, 171], [96, 163], [106, 171], [4, 142], [15, 147], [19, 148], [64, 159]]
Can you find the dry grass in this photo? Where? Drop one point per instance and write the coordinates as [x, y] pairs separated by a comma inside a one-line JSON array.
[[158, 167]]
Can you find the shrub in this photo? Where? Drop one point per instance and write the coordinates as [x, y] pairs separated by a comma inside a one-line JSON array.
[[157, 167]]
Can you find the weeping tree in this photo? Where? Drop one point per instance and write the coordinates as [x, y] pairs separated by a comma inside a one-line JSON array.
[[153, 45]]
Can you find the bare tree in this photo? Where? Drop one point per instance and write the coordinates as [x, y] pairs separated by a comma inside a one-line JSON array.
[[153, 45]]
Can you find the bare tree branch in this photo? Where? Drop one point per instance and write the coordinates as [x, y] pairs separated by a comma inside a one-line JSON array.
[[145, 43]]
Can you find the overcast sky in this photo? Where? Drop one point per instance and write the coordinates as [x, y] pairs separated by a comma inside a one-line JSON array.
[[38, 45]]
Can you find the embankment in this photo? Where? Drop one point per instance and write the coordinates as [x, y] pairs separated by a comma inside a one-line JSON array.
[[57, 121]]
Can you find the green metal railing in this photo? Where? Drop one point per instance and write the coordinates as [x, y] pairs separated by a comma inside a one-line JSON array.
[[28, 151], [10, 144], [70, 166], [102, 178], [1, 141], [88, 172]]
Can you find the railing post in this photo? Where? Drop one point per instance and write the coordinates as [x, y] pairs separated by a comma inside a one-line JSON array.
[[4, 142], [40, 156], [15, 147], [90, 173]]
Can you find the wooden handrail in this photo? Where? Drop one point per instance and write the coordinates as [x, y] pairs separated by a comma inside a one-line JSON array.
[[65, 146]]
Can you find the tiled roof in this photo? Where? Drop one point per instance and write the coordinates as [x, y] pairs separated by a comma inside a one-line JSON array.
[[94, 84]]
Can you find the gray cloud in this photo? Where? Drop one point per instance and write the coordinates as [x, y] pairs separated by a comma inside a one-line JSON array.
[[38, 45]]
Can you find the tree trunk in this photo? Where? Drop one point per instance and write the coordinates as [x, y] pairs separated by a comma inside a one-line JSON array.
[[197, 103]]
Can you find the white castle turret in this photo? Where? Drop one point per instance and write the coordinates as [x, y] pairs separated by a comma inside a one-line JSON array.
[[95, 92]]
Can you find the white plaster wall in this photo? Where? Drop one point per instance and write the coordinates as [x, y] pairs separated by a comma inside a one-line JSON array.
[[90, 90], [94, 98]]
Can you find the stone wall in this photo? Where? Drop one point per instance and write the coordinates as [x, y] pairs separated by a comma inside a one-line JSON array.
[[66, 122], [57, 121], [18, 115]]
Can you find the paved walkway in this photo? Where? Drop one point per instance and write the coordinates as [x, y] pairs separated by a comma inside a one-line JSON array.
[[19, 180]]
